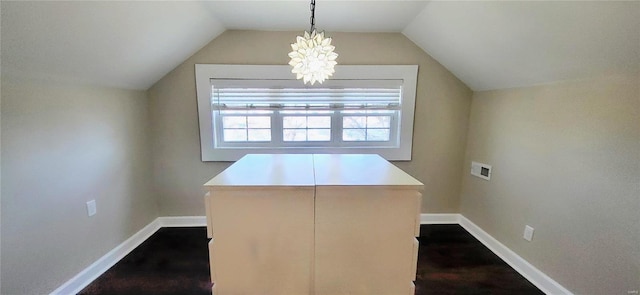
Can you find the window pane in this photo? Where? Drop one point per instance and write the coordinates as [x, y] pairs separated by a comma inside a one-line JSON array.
[[294, 135], [354, 122], [235, 135], [294, 122], [259, 122], [377, 134], [234, 122], [378, 121], [319, 122], [259, 134], [354, 134], [319, 134]]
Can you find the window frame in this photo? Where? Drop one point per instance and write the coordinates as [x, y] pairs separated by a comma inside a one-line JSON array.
[[209, 152]]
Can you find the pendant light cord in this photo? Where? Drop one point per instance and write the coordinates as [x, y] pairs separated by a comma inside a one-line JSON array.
[[313, 15]]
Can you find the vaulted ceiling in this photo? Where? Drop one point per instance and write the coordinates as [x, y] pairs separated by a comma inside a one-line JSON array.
[[487, 44]]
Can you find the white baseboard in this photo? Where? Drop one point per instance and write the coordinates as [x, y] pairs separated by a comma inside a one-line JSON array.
[[182, 221], [439, 218], [93, 271], [530, 272]]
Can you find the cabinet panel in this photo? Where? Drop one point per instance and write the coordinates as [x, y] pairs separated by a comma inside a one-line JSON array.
[[414, 263], [364, 240], [212, 263], [207, 206], [418, 212], [263, 240]]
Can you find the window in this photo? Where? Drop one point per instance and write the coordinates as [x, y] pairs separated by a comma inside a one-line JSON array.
[[306, 126], [263, 109], [244, 126], [367, 125]]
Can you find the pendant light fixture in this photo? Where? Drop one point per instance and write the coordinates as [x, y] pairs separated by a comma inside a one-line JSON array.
[[312, 57]]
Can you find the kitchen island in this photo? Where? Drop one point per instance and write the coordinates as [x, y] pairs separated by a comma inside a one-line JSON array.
[[313, 224]]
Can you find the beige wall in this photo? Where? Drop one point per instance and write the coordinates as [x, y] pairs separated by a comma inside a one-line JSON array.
[[566, 160], [63, 145], [0, 181], [442, 110]]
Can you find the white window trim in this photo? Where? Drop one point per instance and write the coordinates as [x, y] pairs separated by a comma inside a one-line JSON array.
[[205, 72]]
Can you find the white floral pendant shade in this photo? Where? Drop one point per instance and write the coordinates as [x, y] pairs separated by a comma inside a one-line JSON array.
[[312, 58]]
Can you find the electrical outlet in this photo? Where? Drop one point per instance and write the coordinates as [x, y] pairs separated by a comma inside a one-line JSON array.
[[528, 233], [91, 208]]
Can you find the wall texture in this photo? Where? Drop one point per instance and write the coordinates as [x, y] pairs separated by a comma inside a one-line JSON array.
[[0, 177], [63, 145], [566, 161], [442, 109]]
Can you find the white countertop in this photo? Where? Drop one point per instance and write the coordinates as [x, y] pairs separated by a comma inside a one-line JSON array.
[[313, 170], [268, 170], [359, 169]]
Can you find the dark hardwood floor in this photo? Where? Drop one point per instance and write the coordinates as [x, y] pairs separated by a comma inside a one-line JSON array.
[[452, 261], [176, 261]]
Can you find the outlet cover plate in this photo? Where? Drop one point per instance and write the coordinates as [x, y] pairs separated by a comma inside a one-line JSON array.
[[91, 208], [528, 233]]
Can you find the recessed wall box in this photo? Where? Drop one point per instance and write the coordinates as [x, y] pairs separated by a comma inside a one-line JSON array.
[[91, 208], [481, 170]]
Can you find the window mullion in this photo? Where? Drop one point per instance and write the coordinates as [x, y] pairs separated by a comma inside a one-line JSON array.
[[276, 129], [394, 128], [336, 128], [217, 127], [246, 124]]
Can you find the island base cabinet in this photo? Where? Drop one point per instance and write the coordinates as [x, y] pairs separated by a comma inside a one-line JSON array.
[[263, 240], [321, 224], [364, 240], [212, 266]]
